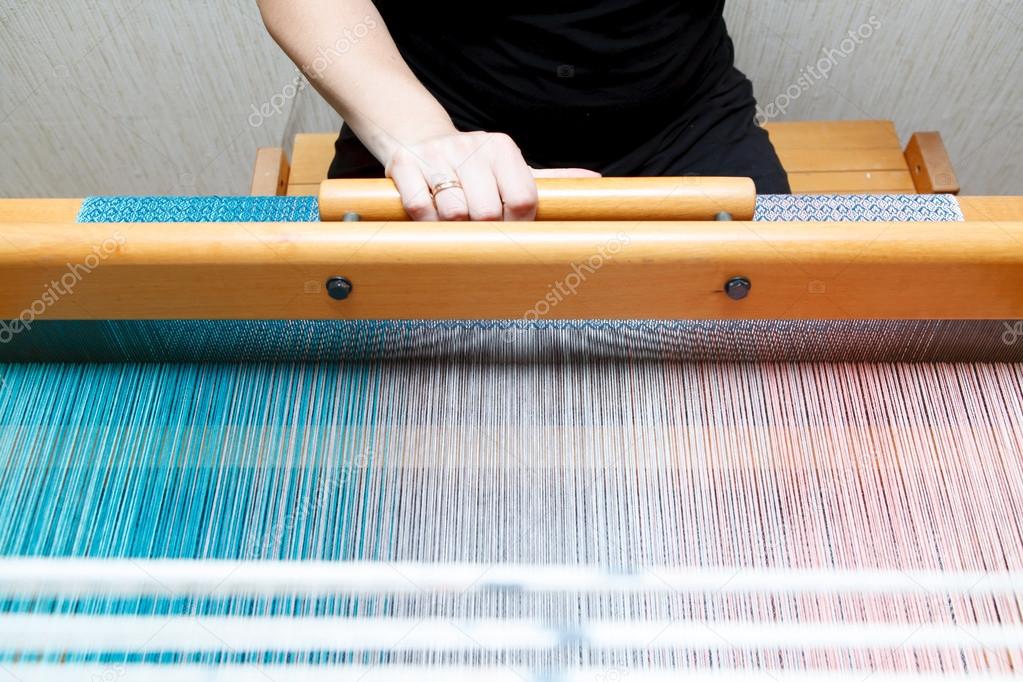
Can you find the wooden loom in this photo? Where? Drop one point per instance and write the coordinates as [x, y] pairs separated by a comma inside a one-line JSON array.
[[662, 269], [658, 270], [676, 266]]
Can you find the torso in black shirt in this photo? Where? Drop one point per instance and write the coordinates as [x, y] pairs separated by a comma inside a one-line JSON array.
[[562, 71], [601, 84]]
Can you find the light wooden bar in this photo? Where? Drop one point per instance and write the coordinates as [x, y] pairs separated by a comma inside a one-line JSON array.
[[667, 198], [39, 210], [578, 270], [993, 208]]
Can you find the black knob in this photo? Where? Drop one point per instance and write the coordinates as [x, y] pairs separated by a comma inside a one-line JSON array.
[[339, 288], [738, 288], [351, 217]]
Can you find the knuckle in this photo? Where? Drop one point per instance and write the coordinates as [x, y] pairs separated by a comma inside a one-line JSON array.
[[417, 207], [454, 213], [488, 213], [520, 203], [466, 143], [508, 146]]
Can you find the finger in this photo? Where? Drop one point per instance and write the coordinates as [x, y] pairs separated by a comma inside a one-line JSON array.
[[415, 193], [451, 203], [481, 193], [516, 186], [564, 173]]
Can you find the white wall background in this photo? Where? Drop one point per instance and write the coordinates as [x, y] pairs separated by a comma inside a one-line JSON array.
[[157, 96]]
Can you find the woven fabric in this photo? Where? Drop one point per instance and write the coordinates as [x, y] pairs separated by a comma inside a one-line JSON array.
[[213, 209], [859, 207], [912, 207]]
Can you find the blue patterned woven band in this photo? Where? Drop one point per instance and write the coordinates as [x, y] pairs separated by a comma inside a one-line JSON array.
[[212, 209], [940, 208], [894, 207]]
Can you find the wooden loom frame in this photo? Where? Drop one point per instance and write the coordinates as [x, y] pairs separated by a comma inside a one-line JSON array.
[[821, 157], [555, 270]]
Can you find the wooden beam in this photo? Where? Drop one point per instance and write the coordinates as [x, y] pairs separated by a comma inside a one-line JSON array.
[[833, 134], [853, 182], [582, 270], [270, 173], [39, 210], [824, 159], [830, 157], [930, 166], [992, 208]]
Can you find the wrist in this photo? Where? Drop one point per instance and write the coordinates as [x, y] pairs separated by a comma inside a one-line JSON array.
[[385, 143]]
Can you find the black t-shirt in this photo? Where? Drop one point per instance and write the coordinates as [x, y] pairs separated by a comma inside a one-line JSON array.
[[567, 79]]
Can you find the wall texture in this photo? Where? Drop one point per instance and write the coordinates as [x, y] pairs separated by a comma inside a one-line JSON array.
[[947, 65], [134, 96], [174, 96]]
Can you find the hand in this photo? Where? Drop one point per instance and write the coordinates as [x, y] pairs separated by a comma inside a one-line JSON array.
[[496, 183]]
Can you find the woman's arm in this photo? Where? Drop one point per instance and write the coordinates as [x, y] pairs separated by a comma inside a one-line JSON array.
[[397, 119]]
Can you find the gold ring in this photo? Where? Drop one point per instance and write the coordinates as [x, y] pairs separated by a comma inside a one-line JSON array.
[[447, 184]]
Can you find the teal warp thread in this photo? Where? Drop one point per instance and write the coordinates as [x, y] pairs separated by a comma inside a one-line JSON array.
[[243, 461], [138, 447]]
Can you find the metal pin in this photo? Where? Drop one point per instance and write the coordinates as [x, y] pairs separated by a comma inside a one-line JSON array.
[[738, 288], [339, 288]]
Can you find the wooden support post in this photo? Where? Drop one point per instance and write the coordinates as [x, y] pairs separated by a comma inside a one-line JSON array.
[[270, 174], [930, 166]]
